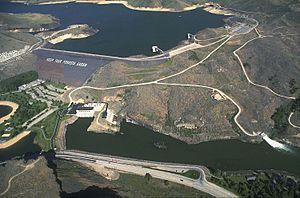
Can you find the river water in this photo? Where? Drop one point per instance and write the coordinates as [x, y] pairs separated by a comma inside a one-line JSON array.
[[122, 32], [138, 142]]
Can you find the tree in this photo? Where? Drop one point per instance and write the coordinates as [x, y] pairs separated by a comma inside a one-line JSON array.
[[148, 177], [166, 182]]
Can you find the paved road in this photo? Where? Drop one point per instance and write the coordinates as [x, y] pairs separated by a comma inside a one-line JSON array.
[[41, 117], [155, 169], [58, 116]]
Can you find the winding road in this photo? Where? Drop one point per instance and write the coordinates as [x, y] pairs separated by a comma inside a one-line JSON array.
[[140, 166], [158, 82], [245, 73], [225, 39]]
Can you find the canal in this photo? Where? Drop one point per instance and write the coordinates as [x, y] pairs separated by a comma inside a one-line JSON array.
[[138, 142], [122, 31]]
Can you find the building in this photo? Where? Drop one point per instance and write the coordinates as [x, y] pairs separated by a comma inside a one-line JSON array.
[[250, 178], [97, 106], [6, 135], [30, 85], [85, 112]]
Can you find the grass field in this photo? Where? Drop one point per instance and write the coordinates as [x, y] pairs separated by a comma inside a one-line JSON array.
[[28, 108]]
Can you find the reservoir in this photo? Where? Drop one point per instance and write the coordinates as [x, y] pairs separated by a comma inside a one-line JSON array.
[[138, 142], [4, 110], [122, 31]]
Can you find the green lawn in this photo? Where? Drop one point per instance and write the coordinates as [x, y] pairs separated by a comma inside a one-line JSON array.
[[193, 174], [28, 108]]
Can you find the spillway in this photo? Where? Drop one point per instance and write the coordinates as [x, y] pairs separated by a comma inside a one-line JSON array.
[[274, 144]]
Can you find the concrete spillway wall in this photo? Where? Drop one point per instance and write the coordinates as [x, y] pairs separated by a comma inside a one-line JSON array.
[[274, 144]]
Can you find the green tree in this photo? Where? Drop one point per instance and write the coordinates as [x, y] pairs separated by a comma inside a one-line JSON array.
[[148, 177]]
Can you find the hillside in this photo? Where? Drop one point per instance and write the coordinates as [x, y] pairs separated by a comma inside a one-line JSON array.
[[253, 5], [27, 22]]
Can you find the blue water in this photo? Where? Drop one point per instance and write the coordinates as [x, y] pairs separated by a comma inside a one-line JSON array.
[[122, 32]]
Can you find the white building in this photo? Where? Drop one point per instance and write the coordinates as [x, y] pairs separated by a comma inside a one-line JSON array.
[[85, 112], [97, 106], [30, 85]]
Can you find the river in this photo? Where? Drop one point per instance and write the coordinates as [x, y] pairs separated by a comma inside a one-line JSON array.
[[122, 32], [138, 142]]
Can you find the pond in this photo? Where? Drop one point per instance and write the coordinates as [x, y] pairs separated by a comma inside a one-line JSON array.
[[5, 110]]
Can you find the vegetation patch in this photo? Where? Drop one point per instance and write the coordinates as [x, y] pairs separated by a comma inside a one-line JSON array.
[[280, 117], [28, 108], [194, 56], [56, 85], [258, 184], [12, 84], [193, 174]]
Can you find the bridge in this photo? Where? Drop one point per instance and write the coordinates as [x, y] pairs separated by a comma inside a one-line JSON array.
[[161, 170]]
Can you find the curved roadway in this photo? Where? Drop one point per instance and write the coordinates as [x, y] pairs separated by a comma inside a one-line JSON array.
[[161, 170]]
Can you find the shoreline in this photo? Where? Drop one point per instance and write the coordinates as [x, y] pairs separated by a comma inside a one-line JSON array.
[[206, 6], [14, 140], [61, 39], [14, 107], [76, 31]]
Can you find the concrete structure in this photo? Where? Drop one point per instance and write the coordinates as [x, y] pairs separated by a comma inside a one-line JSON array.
[[6, 135], [97, 106], [111, 117], [85, 112], [30, 85], [251, 178]]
